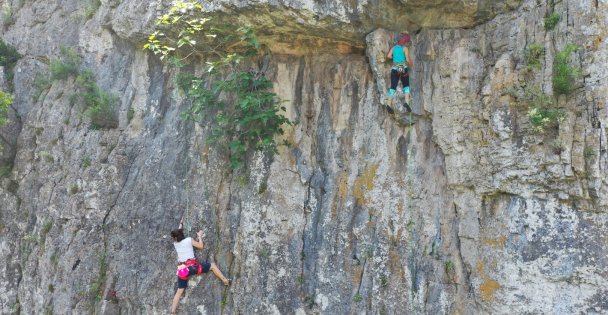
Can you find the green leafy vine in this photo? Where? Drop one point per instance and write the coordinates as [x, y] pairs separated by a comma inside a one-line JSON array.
[[246, 115]]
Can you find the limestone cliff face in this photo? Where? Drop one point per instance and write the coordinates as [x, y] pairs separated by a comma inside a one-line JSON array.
[[465, 212]]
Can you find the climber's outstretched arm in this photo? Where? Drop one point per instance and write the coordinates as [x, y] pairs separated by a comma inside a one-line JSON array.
[[407, 57], [390, 53], [199, 244]]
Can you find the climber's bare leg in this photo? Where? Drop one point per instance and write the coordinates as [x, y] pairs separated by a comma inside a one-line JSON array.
[[216, 271], [176, 298]]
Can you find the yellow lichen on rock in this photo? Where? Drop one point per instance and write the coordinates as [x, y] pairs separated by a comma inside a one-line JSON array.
[[364, 183]]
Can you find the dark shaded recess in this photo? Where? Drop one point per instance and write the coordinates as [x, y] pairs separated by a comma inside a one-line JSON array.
[[313, 240], [402, 144], [75, 265]]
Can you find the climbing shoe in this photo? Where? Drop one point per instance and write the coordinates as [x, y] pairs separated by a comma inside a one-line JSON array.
[[406, 90], [407, 107], [389, 109], [391, 92]]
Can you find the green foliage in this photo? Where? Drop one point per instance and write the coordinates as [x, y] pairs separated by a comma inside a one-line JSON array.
[[16, 308], [8, 55], [7, 15], [99, 105], [449, 266], [557, 146], [551, 21], [246, 114], [130, 114], [383, 281], [263, 188], [564, 74], [46, 227], [26, 246], [370, 252], [67, 65], [187, 31], [8, 59], [264, 252], [542, 111], [533, 55], [42, 82], [589, 152], [96, 287], [86, 162], [249, 124], [48, 157], [512, 91], [92, 7], [309, 300], [223, 301], [357, 298], [54, 259], [74, 189], [6, 100], [5, 171]]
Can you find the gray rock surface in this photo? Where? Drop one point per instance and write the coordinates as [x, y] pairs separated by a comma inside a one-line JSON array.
[[468, 211]]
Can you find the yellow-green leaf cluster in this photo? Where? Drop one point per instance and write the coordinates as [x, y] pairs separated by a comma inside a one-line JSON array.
[[5, 101]]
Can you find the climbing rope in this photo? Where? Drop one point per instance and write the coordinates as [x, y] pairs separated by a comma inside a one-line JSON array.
[[186, 220]]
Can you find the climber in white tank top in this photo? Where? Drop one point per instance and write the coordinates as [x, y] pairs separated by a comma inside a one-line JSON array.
[[187, 265], [184, 249]]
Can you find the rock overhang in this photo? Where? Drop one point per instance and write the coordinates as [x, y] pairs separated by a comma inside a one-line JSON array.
[[307, 26]]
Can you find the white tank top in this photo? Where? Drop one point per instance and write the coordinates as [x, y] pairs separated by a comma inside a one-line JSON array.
[[184, 249]]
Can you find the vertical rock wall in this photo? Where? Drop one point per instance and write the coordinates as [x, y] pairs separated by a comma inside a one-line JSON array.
[[466, 212]]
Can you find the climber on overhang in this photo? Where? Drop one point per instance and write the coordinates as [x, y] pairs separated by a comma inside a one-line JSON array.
[[400, 56], [187, 263]]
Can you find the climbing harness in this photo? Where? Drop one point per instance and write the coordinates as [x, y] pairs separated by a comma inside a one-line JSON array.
[[401, 70], [184, 268]]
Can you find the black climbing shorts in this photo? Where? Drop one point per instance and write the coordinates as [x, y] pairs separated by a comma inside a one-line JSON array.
[[192, 271]]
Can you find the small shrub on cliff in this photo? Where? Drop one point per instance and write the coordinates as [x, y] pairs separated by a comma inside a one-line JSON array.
[[557, 145], [8, 59], [246, 113], [551, 21], [67, 65], [42, 82], [564, 74], [7, 15], [5, 102], [542, 111], [98, 104], [92, 7], [589, 153], [97, 285], [251, 124], [533, 55], [74, 189]]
